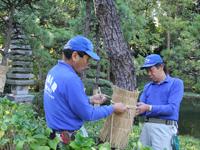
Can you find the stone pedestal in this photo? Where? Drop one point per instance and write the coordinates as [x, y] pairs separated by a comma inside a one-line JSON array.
[[20, 71]]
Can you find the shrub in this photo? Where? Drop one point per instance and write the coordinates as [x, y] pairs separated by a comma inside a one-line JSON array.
[[197, 87], [105, 85], [189, 82], [38, 85], [20, 130], [37, 104]]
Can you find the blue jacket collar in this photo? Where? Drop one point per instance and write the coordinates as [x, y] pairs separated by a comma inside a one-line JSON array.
[[167, 79], [63, 64]]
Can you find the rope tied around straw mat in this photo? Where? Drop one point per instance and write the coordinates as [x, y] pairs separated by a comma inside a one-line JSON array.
[[117, 134], [128, 106]]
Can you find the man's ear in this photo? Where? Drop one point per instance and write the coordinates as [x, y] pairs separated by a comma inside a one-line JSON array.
[[74, 56], [162, 67]]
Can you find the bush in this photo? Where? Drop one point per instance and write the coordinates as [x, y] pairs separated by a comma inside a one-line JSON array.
[[20, 130], [189, 82], [38, 85], [197, 87], [37, 104], [105, 85]]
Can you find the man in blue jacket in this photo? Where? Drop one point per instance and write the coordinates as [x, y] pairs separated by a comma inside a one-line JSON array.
[[159, 102], [65, 102]]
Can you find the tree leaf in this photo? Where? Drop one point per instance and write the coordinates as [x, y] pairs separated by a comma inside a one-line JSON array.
[[43, 148], [52, 144], [19, 145], [4, 141], [48, 131], [31, 139], [40, 136], [4, 127]]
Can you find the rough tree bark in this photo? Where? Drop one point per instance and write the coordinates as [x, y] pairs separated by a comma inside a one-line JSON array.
[[118, 53], [87, 28], [176, 17], [98, 36], [168, 34], [168, 31]]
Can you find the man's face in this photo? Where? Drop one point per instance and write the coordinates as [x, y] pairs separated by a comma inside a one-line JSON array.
[[154, 73], [81, 63]]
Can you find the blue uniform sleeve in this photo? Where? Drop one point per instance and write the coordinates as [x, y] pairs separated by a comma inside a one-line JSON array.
[[143, 98], [80, 104]]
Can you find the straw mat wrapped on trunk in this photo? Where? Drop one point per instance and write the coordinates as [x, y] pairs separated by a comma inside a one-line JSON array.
[[117, 127]]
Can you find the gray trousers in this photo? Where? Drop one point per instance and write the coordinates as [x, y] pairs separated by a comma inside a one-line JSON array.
[[159, 136]]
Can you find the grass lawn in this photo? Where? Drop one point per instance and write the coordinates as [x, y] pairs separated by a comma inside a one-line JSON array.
[[191, 94]]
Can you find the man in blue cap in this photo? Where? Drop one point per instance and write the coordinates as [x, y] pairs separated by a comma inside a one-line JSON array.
[[65, 102], [159, 102]]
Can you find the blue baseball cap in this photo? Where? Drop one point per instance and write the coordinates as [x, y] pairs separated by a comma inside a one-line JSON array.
[[152, 60], [79, 43]]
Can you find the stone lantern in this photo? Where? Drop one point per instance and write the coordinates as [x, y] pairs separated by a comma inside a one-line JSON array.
[[20, 76]]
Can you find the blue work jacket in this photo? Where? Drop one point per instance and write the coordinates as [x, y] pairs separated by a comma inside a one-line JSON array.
[[65, 102], [165, 98]]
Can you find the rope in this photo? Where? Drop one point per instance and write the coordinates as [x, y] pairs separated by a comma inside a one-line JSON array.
[[111, 129], [127, 106]]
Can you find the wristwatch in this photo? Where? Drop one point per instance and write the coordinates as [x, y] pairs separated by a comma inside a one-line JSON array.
[[150, 109]]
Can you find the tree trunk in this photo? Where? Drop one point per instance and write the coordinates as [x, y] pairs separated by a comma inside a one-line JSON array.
[[168, 34], [87, 27], [176, 17], [118, 53], [98, 36], [8, 37], [108, 71], [168, 31]]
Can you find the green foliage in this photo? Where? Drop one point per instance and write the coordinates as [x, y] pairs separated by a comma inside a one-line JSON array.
[[20, 130], [197, 88], [188, 143], [80, 142], [105, 86], [38, 105], [146, 147], [38, 85], [86, 143], [93, 128]]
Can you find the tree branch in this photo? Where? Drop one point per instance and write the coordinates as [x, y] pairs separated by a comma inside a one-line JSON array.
[[5, 2], [25, 2], [3, 20], [2, 52]]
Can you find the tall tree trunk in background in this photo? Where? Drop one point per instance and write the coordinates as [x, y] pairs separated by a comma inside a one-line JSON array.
[[8, 37], [87, 27], [108, 71], [118, 53], [168, 31], [176, 17], [98, 36]]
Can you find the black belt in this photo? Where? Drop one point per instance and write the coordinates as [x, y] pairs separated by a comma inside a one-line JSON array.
[[60, 131], [161, 121]]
